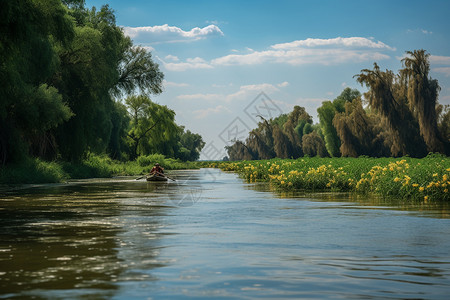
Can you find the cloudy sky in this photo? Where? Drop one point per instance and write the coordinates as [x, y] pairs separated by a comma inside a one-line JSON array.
[[227, 61]]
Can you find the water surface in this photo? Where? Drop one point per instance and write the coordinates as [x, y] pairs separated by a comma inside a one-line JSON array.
[[209, 235]]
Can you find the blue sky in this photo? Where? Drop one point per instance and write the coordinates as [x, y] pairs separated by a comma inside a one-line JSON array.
[[218, 56]]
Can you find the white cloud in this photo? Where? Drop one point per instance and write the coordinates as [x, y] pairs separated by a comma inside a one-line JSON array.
[[170, 34], [443, 70], [423, 31], [440, 64], [203, 113], [351, 42], [246, 92], [174, 84], [148, 48], [191, 63], [301, 56], [208, 97], [440, 60], [172, 57], [310, 51], [283, 84]]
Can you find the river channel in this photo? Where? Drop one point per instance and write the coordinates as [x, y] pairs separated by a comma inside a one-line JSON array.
[[210, 235]]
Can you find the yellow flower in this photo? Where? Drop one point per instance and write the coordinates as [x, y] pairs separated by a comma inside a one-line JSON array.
[[446, 191], [425, 198], [435, 174], [421, 189], [282, 182], [444, 177], [396, 179], [415, 185], [290, 183]]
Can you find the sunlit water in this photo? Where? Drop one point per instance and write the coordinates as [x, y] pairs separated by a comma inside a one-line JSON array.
[[209, 235]]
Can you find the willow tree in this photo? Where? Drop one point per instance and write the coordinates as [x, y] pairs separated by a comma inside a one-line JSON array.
[[282, 145], [313, 145], [326, 114], [260, 141], [387, 97], [422, 93], [30, 104], [358, 131], [444, 123], [238, 151], [297, 117], [151, 125]]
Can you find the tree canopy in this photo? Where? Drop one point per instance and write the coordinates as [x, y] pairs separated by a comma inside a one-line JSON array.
[[65, 70]]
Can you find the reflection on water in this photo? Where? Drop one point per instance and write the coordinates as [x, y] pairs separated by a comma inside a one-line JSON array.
[[208, 234], [438, 209]]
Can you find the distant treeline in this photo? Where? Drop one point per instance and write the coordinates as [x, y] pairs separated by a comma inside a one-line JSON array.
[[400, 116], [72, 84]]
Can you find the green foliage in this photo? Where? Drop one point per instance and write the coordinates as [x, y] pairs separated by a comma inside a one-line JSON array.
[[32, 171], [152, 125], [191, 145], [327, 112], [31, 31]]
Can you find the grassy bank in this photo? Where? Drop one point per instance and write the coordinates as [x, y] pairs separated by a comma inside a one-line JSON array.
[[408, 178], [38, 171]]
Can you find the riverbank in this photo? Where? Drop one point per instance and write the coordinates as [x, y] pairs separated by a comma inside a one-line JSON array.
[[407, 178], [39, 171]]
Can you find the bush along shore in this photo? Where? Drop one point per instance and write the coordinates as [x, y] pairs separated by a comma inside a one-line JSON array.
[[35, 170], [407, 178]]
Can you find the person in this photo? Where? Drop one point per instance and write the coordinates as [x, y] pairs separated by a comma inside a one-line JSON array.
[[157, 169]]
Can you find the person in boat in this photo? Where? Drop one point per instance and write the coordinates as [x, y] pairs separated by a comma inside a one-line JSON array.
[[157, 170]]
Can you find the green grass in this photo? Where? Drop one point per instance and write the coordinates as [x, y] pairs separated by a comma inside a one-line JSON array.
[[95, 166], [407, 178]]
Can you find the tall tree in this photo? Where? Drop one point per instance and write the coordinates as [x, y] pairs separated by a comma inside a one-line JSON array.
[[100, 63], [193, 143], [387, 97], [422, 94], [358, 131], [326, 114], [29, 104], [151, 125]]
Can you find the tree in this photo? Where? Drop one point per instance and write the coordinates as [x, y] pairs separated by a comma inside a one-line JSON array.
[[444, 124], [30, 105], [151, 125], [422, 92], [326, 114], [297, 117], [120, 120], [358, 131], [191, 145], [313, 145], [137, 70], [238, 151], [100, 63], [387, 97]]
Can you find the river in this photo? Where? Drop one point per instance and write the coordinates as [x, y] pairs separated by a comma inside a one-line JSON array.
[[210, 235]]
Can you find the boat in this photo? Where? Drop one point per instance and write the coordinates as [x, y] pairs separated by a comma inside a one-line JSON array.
[[156, 177]]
